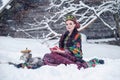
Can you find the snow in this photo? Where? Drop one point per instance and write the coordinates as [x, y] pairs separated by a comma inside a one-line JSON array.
[[4, 2], [10, 51]]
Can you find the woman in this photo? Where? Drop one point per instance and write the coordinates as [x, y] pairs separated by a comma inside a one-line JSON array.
[[69, 51]]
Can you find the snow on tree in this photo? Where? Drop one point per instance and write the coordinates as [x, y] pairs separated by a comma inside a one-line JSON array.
[[116, 15], [85, 14]]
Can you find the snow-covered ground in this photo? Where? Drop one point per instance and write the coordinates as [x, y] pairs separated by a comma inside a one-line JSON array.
[[10, 51]]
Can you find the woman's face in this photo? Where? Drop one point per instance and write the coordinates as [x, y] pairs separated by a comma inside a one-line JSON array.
[[70, 25]]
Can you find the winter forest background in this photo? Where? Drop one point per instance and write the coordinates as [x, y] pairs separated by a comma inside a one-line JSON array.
[[45, 18], [38, 25]]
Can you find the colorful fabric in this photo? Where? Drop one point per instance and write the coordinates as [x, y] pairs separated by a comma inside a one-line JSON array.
[[94, 62], [55, 59], [72, 43], [76, 48]]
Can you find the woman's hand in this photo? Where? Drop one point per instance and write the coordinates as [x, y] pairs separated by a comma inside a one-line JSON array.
[[57, 50]]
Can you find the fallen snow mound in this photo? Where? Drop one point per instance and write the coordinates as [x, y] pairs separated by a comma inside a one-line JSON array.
[[10, 51]]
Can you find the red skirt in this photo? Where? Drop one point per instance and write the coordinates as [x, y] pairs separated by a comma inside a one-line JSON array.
[[55, 59]]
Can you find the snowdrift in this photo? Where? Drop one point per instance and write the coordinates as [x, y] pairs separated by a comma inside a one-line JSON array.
[[10, 51]]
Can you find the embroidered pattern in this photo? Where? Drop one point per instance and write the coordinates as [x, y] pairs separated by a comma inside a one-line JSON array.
[[76, 48]]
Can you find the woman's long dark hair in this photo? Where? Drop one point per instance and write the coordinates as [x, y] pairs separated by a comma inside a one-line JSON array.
[[69, 42]]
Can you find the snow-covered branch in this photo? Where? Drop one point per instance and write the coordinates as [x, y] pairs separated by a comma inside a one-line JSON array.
[[86, 15]]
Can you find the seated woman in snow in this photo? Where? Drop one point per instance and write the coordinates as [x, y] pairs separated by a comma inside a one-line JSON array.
[[70, 49], [68, 52]]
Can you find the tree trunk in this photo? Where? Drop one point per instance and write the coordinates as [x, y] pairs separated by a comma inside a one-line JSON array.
[[117, 31]]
